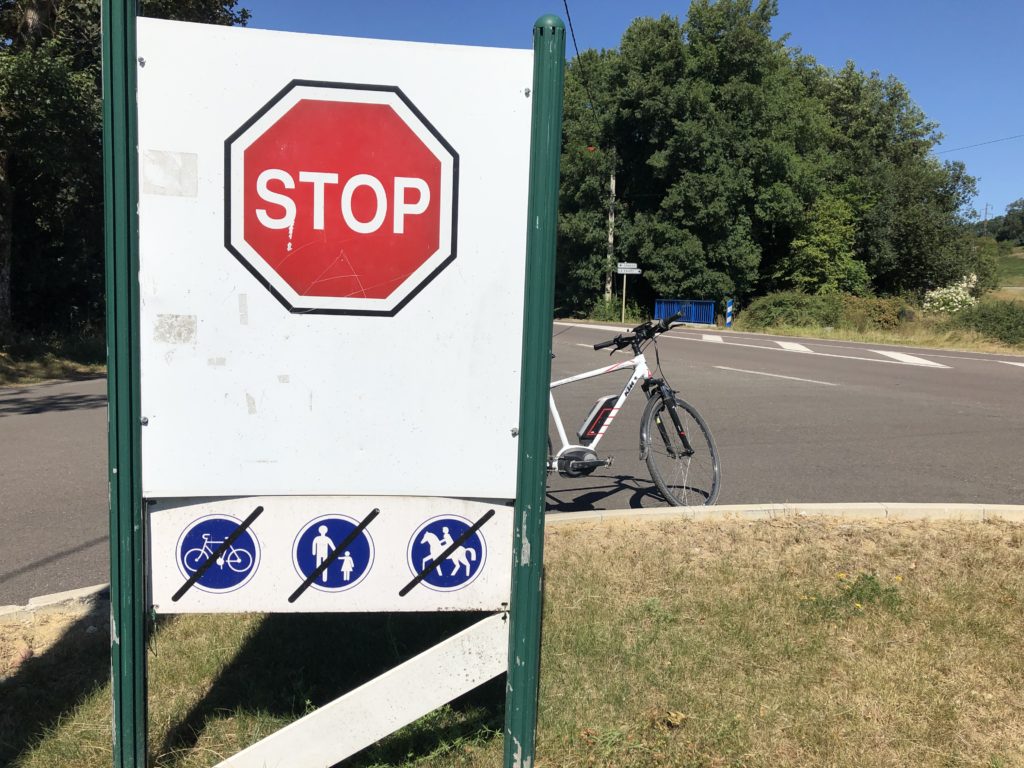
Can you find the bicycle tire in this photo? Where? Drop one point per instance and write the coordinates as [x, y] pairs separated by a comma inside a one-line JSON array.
[[683, 481], [194, 558], [235, 555]]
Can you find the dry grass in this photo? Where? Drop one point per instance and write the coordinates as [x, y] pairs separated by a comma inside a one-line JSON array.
[[788, 643], [918, 333], [756, 637], [43, 368]]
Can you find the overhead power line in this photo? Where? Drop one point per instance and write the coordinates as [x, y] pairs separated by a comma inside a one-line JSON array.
[[583, 73], [982, 144]]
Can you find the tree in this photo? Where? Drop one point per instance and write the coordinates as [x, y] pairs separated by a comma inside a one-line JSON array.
[[1011, 227], [51, 133], [5, 252], [589, 161], [822, 259]]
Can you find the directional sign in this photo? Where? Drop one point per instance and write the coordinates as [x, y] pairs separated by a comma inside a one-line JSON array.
[[626, 265], [341, 197], [630, 271]]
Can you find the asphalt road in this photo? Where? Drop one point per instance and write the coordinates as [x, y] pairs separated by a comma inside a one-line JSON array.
[[816, 422], [799, 420], [53, 488]]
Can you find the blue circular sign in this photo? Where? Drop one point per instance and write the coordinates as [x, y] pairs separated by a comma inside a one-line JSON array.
[[318, 541], [233, 568], [459, 568]]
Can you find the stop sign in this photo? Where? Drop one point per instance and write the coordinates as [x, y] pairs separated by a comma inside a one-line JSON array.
[[341, 198]]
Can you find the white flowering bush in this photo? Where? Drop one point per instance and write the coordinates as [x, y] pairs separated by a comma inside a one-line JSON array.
[[952, 298]]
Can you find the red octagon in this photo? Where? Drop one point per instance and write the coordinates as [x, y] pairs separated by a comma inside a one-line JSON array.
[[341, 198]]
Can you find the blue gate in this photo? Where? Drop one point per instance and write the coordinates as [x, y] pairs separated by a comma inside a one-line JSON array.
[[693, 311]]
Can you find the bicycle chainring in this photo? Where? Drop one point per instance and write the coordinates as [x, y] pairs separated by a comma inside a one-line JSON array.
[[565, 461]]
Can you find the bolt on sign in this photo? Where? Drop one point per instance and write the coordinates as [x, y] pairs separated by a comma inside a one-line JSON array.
[[332, 268]]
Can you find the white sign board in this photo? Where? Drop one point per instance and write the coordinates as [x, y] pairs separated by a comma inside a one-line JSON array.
[[319, 321], [329, 554], [624, 265]]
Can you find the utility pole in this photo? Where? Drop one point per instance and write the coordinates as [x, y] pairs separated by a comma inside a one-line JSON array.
[[984, 222], [610, 260]]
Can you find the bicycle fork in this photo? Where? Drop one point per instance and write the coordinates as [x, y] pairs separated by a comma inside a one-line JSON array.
[[668, 398]]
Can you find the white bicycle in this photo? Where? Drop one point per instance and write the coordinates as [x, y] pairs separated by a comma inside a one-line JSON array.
[[675, 441]]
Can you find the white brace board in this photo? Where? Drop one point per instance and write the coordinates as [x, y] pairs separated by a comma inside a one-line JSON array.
[[277, 552], [243, 398]]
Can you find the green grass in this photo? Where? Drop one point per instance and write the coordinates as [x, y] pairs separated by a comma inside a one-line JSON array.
[[782, 643], [1010, 269]]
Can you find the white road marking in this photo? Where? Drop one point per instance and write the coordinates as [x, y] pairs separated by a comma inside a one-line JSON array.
[[792, 346], [1010, 362], [909, 359], [715, 339], [777, 349], [777, 376]]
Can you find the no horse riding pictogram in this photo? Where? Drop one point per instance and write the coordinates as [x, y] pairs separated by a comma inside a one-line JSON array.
[[341, 198]]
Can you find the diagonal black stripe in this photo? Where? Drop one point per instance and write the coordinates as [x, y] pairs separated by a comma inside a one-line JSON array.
[[217, 553], [335, 554], [444, 555]]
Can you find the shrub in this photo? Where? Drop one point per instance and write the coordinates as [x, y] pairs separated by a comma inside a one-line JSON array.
[[792, 308], [611, 311], [952, 298], [836, 310], [864, 312], [1000, 320]]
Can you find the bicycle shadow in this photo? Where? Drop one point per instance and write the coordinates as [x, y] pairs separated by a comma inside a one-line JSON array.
[[296, 662], [45, 688], [604, 492]]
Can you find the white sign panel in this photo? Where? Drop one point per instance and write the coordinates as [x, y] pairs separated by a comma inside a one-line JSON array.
[[332, 248], [329, 554], [626, 265]]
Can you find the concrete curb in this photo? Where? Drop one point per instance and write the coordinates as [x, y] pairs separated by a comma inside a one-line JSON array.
[[78, 602], [82, 601], [846, 511]]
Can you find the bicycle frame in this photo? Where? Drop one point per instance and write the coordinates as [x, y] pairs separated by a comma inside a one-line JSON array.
[[640, 372]]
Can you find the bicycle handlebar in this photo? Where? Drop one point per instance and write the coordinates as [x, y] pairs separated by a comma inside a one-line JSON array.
[[643, 332]]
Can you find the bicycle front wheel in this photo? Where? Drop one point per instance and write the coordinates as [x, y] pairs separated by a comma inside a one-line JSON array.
[[680, 452]]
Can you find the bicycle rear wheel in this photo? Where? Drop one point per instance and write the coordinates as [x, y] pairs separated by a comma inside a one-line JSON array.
[[685, 467]]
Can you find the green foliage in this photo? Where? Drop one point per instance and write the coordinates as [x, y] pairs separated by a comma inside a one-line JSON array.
[[823, 310], [862, 313], [999, 320], [822, 260], [611, 311], [1011, 226], [1010, 270], [741, 166], [51, 127], [51, 131], [792, 308]]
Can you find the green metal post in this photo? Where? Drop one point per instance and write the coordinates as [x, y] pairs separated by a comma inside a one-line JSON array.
[[528, 535], [127, 556]]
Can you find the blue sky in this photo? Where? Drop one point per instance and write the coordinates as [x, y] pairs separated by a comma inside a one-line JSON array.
[[961, 60]]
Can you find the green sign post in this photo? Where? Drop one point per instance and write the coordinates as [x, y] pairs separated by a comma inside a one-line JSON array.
[[528, 528], [127, 516], [121, 227]]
